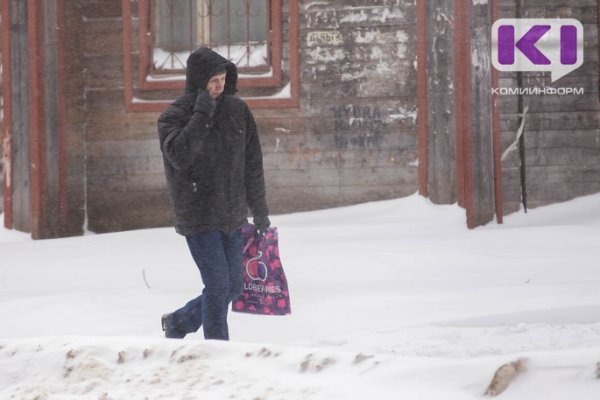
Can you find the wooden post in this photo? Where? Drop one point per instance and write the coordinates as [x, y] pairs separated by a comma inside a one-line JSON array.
[[484, 204], [496, 135], [440, 102], [37, 128], [16, 115], [34, 117], [422, 95], [63, 195], [474, 108], [462, 81], [7, 115], [54, 197]]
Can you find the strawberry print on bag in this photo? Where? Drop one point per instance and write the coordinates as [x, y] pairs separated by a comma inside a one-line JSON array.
[[265, 285]]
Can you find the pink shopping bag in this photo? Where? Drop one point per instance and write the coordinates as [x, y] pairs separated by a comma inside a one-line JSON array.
[[265, 285]]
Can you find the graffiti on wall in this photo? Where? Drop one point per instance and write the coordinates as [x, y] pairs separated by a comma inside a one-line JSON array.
[[357, 126], [327, 38]]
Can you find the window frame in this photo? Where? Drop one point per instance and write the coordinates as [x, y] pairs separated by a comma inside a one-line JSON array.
[[145, 35], [204, 20], [146, 82]]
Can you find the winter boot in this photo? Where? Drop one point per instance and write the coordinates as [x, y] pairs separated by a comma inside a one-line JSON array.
[[168, 329]]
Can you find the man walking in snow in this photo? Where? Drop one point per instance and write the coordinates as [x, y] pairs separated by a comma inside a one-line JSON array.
[[214, 171]]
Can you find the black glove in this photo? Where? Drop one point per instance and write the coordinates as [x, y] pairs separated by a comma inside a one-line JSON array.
[[262, 223], [205, 104]]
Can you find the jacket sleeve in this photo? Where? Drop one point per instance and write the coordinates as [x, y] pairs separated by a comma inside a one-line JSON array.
[[181, 136], [254, 174]]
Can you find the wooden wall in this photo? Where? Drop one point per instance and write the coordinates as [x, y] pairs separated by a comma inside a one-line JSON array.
[[561, 149], [124, 178], [562, 133], [2, 155], [440, 94], [19, 89], [352, 139]]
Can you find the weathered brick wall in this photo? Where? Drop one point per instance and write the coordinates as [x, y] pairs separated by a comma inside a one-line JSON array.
[[354, 137], [562, 133]]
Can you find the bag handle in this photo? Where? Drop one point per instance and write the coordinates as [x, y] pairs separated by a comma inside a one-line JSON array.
[[251, 239]]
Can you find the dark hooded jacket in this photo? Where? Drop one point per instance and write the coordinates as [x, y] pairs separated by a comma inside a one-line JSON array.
[[213, 164]]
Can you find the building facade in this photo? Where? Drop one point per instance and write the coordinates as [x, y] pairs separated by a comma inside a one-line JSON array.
[[355, 102]]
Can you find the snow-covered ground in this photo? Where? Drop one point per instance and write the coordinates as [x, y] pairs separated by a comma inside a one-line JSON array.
[[390, 300]]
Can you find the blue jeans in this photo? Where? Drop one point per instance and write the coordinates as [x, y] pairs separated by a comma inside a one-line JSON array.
[[219, 259]]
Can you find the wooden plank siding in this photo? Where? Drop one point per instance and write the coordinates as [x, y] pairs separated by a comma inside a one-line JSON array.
[[386, 101], [40, 197], [5, 136], [19, 190], [562, 133], [353, 126], [124, 178]]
